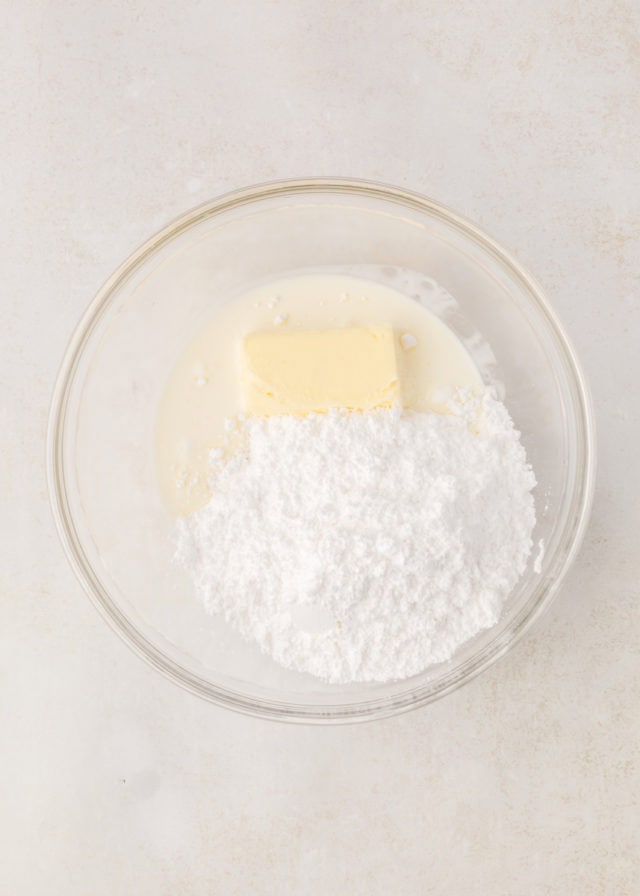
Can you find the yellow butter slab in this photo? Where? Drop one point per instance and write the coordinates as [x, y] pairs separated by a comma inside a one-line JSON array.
[[311, 371]]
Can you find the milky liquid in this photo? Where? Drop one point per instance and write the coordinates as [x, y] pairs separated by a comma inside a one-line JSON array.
[[204, 389]]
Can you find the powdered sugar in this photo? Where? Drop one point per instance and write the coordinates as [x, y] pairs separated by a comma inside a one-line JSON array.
[[364, 547]]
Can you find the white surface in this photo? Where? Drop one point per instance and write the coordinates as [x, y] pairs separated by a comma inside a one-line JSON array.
[[120, 115]]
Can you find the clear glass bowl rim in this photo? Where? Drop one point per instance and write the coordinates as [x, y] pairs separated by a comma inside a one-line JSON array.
[[568, 545]]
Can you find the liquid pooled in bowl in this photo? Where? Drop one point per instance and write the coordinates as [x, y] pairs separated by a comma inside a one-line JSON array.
[[206, 387]]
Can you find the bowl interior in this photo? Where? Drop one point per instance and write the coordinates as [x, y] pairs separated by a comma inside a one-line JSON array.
[[118, 533]]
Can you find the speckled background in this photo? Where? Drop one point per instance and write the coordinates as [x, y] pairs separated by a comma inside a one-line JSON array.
[[117, 116]]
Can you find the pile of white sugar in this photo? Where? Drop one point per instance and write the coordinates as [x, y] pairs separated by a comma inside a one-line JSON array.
[[364, 546]]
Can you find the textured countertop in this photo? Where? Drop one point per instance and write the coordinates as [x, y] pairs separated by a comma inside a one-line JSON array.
[[117, 117]]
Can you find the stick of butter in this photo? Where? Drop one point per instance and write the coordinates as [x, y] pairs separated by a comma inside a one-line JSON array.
[[309, 371]]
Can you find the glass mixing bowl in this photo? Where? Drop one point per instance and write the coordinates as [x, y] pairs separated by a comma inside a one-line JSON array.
[[114, 528]]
